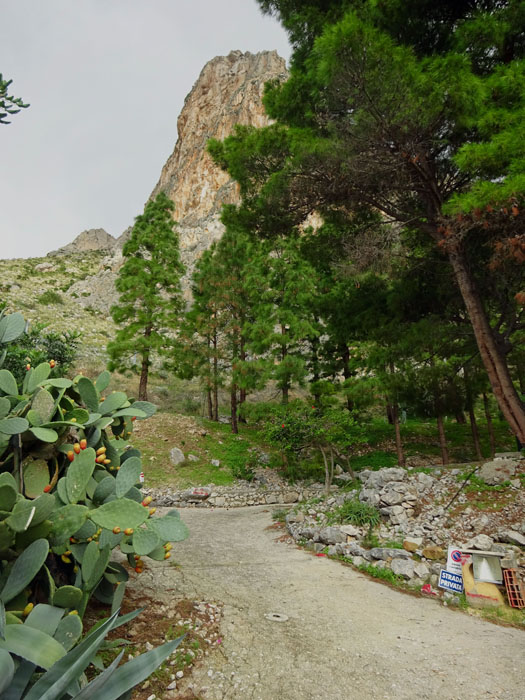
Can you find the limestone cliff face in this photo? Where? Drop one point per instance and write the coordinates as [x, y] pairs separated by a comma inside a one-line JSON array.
[[228, 91]]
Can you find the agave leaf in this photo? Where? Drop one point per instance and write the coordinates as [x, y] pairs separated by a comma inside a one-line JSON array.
[[92, 690], [20, 681], [2, 619], [7, 670], [126, 677], [53, 683]]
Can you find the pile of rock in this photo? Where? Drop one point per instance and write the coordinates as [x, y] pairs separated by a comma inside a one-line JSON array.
[[412, 520]]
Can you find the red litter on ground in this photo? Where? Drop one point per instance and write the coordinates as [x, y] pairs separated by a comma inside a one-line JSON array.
[[320, 554]]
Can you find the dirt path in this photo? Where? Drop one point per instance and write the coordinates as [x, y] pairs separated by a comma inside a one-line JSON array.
[[346, 637]]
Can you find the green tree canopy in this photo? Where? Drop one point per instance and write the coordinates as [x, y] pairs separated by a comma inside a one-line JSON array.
[[151, 301]]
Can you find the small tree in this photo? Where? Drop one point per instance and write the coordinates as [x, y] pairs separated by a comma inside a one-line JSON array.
[[151, 299], [8, 104]]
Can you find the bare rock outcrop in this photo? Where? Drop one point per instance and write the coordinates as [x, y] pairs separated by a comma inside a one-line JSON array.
[[92, 239], [228, 91]]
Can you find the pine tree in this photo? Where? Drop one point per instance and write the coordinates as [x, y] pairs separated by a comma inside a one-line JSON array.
[[151, 301]]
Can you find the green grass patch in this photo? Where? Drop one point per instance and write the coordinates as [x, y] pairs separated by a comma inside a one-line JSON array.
[[50, 297]]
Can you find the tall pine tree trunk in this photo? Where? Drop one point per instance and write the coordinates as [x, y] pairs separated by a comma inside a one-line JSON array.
[[210, 403], [233, 404], [394, 407], [144, 371], [286, 386], [347, 373], [490, 427], [492, 355], [215, 389], [442, 440], [472, 416], [242, 391]]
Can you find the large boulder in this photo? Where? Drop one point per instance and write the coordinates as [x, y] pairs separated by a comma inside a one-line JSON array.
[[497, 471]]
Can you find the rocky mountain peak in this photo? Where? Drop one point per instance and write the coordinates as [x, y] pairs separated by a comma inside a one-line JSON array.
[[92, 239], [228, 91]]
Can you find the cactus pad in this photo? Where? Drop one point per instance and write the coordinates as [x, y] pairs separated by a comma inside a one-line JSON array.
[[7, 497], [169, 528], [69, 631], [67, 597], [88, 393], [112, 403], [8, 383], [25, 569], [105, 488], [121, 513], [145, 541], [44, 404], [67, 520], [128, 475], [36, 476], [79, 473]]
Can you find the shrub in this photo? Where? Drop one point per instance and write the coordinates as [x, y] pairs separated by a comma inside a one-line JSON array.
[[356, 513], [50, 297]]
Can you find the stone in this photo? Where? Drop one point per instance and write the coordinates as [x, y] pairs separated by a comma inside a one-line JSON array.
[[512, 537], [421, 570], [433, 552], [412, 544], [332, 535], [391, 497], [497, 471], [482, 542], [196, 495], [290, 497], [358, 561], [177, 456], [44, 267], [192, 458], [389, 553], [215, 463], [403, 567], [349, 530]]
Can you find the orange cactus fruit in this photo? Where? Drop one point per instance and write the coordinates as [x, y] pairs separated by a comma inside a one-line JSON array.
[[152, 510], [73, 612], [101, 451], [71, 455], [100, 459], [107, 461], [27, 609], [52, 363], [65, 559], [128, 531], [147, 501], [76, 448], [139, 569], [133, 417], [47, 488], [28, 367], [73, 420], [116, 530], [83, 444], [168, 546], [167, 555]]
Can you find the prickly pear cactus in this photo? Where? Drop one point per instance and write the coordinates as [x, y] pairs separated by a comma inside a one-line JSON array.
[[70, 491]]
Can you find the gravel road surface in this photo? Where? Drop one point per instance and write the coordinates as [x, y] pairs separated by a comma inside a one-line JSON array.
[[300, 627]]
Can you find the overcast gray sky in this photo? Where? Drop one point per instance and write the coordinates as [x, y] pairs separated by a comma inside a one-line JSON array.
[[106, 80]]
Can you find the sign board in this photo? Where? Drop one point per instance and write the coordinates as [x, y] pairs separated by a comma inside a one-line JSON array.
[[455, 560], [141, 477], [450, 581]]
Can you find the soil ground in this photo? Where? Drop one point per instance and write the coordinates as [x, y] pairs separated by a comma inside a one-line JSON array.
[[344, 637]]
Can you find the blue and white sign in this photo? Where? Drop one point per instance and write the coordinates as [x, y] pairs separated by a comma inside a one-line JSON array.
[[450, 581]]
